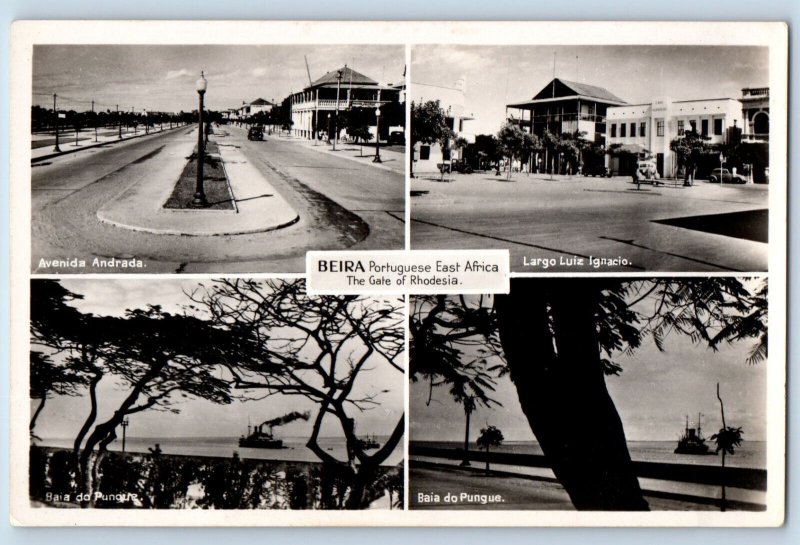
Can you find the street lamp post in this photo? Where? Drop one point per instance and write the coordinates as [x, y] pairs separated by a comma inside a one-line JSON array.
[[377, 158], [119, 122], [199, 192], [55, 113], [336, 114]]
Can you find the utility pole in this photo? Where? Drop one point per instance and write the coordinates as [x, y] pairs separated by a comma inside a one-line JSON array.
[[125, 424], [95, 122], [336, 113], [55, 113], [119, 122]]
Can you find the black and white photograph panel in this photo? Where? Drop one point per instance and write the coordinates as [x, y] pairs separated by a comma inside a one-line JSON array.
[[591, 395], [211, 158], [591, 159], [222, 394]]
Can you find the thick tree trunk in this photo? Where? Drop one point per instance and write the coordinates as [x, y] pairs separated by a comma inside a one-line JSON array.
[[36, 414], [549, 336], [87, 425]]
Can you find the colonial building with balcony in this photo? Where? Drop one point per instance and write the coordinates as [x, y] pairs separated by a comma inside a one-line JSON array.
[[755, 109], [646, 130], [314, 108], [566, 107]]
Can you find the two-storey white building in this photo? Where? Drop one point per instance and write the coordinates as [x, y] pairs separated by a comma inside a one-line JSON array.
[[452, 99], [648, 129]]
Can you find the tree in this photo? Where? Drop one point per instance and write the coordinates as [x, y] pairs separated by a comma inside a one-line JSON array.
[[152, 355], [689, 148], [531, 144], [159, 359], [487, 148], [428, 126], [490, 437], [559, 338], [58, 330], [512, 143], [447, 353], [572, 147], [551, 143], [460, 143], [316, 347], [727, 440], [357, 125]]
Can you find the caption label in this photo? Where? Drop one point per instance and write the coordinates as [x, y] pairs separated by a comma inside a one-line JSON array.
[[419, 271]]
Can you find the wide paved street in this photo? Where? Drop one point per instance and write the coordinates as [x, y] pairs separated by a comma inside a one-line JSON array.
[[558, 225], [340, 203]]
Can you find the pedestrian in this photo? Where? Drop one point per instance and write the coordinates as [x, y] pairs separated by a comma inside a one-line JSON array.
[[636, 176]]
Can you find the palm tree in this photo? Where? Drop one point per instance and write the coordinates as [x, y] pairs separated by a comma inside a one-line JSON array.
[[469, 407], [490, 437], [727, 439]]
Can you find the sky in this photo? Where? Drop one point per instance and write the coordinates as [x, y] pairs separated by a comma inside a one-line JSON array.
[[63, 416], [162, 78], [653, 395], [500, 75]]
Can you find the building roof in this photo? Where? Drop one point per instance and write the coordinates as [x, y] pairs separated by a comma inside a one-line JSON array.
[[559, 89], [349, 76], [563, 88], [261, 102]]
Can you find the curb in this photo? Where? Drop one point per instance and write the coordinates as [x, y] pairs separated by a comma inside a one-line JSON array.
[[175, 232]]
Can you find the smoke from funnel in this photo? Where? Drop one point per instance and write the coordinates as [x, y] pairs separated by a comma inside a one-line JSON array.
[[285, 419]]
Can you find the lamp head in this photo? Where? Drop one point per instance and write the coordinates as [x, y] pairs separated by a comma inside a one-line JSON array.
[[201, 84]]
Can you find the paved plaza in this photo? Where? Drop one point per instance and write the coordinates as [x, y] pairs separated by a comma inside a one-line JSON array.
[[585, 224]]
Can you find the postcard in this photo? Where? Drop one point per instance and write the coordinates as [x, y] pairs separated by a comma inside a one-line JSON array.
[[398, 273]]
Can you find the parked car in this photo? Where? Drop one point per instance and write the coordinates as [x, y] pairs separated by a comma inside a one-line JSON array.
[[647, 169], [726, 177], [256, 132], [397, 137], [596, 170]]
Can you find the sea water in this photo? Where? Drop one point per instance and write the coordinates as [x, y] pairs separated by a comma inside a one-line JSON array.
[[294, 448]]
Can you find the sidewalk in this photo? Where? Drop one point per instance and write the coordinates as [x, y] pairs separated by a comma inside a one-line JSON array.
[[391, 160], [140, 207], [86, 140]]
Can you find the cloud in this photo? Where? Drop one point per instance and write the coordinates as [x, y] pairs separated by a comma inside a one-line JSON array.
[[173, 74], [260, 71]]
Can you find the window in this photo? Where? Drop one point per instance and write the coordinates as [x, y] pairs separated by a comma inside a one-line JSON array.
[[613, 130], [642, 129], [693, 124], [718, 127], [623, 128], [680, 127], [633, 130], [704, 127], [660, 127], [424, 153]]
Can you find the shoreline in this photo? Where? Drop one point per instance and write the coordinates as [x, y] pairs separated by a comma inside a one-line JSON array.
[[156, 480]]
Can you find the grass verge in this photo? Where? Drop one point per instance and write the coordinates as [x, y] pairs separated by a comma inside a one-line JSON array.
[[215, 183]]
